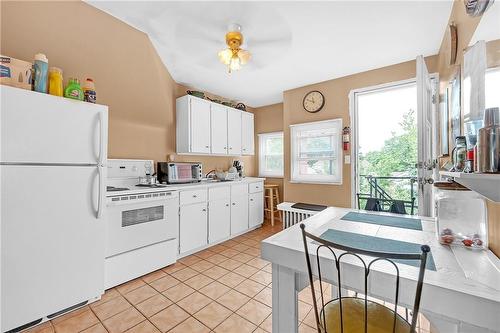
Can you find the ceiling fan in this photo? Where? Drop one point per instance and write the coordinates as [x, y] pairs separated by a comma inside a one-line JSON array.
[[208, 41], [234, 56]]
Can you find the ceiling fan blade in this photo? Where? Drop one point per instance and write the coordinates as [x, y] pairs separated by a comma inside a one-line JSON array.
[[207, 60], [199, 36], [270, 40]]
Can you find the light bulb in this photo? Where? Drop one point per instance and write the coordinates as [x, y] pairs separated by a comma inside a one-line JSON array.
[[244, 56], [234, 65], [225, 56]]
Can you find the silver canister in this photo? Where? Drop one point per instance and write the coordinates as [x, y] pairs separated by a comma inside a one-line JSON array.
[[488, 142]]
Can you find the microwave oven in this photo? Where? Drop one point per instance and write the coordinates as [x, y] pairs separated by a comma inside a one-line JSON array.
[[179, 172]]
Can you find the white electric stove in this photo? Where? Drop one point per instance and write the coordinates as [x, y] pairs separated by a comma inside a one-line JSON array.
[[142, 223]]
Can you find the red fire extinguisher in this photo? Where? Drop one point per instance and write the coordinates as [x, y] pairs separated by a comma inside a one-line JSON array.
[[346, 133]]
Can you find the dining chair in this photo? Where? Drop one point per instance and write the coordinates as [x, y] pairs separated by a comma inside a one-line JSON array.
[[352, 314]]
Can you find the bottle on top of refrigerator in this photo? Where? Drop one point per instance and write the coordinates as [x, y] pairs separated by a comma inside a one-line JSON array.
[[73, 90], [89, 94], [55, 81], [41, 67]]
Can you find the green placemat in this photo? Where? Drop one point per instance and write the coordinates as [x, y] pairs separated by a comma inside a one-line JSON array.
[[391, 221], [371, 243]]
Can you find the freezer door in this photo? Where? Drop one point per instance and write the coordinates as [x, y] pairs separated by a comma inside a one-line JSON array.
[[52, 244], [41, 128]]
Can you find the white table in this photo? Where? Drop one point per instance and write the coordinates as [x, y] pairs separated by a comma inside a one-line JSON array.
[[451, 302]]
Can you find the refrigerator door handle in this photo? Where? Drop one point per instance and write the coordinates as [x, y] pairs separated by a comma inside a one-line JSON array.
[[100, 192], [101, 138]]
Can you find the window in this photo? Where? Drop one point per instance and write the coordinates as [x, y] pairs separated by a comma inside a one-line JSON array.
[[271, 154], [492, 87], [316, 152]]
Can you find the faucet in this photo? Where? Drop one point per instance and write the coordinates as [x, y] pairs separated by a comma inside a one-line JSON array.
[[209, 173]]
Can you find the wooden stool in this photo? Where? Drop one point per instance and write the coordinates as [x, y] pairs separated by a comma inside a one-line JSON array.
[[272, 199]]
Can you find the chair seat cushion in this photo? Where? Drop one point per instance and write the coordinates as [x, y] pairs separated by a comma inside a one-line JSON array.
[[380, 318]]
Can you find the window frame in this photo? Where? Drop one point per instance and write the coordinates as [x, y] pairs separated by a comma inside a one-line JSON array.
[[262, 154], [336, 124]]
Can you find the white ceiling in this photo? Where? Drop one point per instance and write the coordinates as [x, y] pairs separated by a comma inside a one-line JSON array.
[[292, 43]]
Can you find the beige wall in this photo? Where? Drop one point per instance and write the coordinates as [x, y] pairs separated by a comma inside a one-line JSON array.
[[130, 77], [268, 119], [466, 27], [336, 94]]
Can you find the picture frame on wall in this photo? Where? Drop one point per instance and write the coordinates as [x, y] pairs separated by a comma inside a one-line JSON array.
[[454, 106], [444, 121]]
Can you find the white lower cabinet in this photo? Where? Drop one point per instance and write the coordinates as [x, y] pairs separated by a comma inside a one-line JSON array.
[[212, 214], [219, 220], [239, 214], [192, 226], [255, 209]]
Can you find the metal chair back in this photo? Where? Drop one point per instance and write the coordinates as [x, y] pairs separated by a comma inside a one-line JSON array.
[[379, 256]]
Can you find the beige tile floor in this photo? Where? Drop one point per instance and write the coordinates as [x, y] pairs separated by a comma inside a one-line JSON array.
[[226, 288]]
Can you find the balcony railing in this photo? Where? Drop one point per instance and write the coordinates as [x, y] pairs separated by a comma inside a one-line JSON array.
[[377, 188]]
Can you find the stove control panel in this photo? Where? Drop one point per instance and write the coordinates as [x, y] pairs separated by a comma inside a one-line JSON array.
[[129, 168]]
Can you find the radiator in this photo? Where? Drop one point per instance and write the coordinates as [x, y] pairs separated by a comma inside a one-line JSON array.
[[293, 216]]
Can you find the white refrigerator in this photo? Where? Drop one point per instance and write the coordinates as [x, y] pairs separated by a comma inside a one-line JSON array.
[[52, 170]]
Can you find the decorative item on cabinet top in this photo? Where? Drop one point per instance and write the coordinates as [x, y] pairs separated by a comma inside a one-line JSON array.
[[232, 104], [208, 128]]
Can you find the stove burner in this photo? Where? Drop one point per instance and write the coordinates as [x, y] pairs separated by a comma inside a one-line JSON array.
[[151, 185], [116, 189]]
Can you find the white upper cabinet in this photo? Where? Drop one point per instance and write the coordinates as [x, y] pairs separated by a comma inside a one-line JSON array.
[[218, 130], [207, 128], [247, 133], [234, 131], [200, 126]]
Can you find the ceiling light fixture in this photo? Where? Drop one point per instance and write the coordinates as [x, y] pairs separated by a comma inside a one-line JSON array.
[[234, 56]]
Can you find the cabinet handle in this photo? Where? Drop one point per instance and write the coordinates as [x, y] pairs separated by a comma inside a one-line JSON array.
[[234, 204], [195, 196], [207, 146], [227, 205], [230, 148], [251, 199], [204, 210]]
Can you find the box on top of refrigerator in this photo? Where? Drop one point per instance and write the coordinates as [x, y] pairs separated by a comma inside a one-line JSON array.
[[15, 72]]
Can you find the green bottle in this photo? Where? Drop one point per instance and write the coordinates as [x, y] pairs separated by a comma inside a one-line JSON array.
[[73, 90]]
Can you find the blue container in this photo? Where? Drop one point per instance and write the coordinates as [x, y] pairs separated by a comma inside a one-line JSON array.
[[41, 73]]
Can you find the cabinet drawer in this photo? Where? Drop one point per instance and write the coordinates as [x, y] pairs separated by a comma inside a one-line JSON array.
[[255, 187], [239, 190], [193, 196], [216, 193]]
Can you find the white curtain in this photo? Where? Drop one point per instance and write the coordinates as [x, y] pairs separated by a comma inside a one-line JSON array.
[[474, 71]]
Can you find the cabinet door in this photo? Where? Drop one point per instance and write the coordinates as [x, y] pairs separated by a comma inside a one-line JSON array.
[[200, 126], [239, 214], [234, 132], [219, 220], [218, 129], [255, 209], [192, 226], [247, 133]]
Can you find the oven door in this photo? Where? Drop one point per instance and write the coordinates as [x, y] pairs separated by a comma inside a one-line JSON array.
[[135, 223]]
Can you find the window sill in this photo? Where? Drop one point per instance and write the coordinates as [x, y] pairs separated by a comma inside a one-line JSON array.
[[314, 182], [271, 176]]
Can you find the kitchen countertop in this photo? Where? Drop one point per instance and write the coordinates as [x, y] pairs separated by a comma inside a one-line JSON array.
[[245, 180], [180, 187]]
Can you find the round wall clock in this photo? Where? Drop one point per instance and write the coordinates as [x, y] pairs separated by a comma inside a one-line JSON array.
[[313, 101]]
